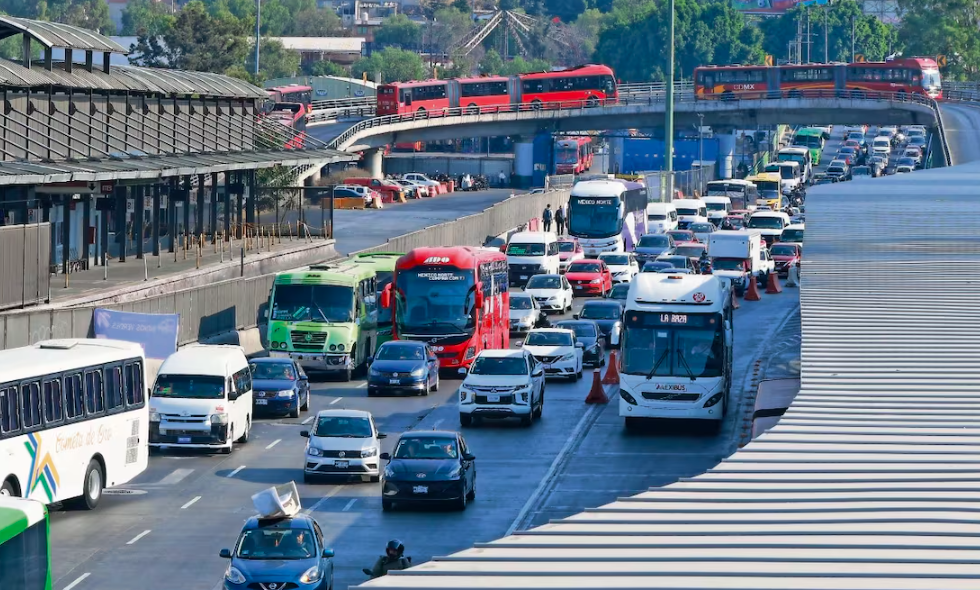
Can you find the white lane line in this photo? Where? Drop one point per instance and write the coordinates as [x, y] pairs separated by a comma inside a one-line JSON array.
[[362, 385], [235, 471], [77, 581], [273, 443], [436, 424], [308, 420], [190, 502], [349, 505], [333, 492], [175, 477], [336, 400], [138, 537]]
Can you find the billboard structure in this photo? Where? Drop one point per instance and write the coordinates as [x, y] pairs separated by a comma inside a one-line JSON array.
[[773, 6]]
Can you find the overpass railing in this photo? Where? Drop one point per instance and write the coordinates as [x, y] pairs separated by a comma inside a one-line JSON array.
[[637, 98]]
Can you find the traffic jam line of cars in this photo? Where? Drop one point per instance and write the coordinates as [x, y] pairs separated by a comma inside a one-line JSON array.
[[871, 152]]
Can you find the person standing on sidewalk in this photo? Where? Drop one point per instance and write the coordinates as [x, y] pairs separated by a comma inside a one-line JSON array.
[[560, 220], [546, 217]]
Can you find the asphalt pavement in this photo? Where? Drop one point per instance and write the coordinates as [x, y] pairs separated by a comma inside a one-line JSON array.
[[962, 124]]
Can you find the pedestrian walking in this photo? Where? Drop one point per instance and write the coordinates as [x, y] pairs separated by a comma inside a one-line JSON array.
[[560, 220], [502, 178], [546, 217]]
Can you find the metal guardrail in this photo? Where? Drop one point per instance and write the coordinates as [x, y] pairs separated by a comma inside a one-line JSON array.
[[647, 98]]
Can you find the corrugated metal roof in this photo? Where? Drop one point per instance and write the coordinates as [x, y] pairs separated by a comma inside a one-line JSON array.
[[870, 480], [59, 35]]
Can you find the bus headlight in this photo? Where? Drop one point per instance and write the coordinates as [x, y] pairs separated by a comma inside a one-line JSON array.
[[470, 353], [340, 347], [154, 416], [627, 397], [713, 400]]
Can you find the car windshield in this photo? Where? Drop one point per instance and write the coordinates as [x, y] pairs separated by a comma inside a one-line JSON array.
[[543, 282], [654, 241], [276, 543], [617, 260], [737, 222], [426, 448], [620, 291], [689, 251], [517, 302], [675, 261], [391, 351], [728, 264], [581, 329], [548, 339], [518, 249], [792, 235], [686, 211], [489, 365], [765, 222], [566, 246], [906, 162], [783, 250], [190, 386], [587, 267], [601, 312], [313, 303], [702, 228], [284, 371], [656, 217], [343, 427], [681, 236], [654, 266]]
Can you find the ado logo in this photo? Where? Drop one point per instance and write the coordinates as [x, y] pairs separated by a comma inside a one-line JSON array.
[[699, 297], [436, 260]]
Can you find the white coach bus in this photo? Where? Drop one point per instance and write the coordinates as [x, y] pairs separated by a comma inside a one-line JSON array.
[[73, 419]]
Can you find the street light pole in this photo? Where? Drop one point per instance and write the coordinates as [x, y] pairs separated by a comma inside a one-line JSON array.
[[258, 33], [701, 151], [826, 36], [669, 106]]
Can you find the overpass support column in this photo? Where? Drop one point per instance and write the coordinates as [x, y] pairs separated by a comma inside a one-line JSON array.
[[726, 152], [374, 162], [523, 162]]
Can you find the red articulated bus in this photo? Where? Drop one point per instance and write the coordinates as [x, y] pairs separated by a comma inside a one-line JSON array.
[[590, 84], [573, 155], [293, 94], [912, 75], [291, 116], [454, 298]]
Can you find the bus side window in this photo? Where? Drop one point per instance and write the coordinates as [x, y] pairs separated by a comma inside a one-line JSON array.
[[94, 395], [113, 388], [9, 410], [30, 395], [134, 385], [74, 396], [52, 401]]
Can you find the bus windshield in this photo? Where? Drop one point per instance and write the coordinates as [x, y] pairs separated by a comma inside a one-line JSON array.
[[313, 303], [810, 141], [717, 207], [765, 222], [567, 155], [594, 217], [673, 344], [767, 185], [435, 300], [190, 386]]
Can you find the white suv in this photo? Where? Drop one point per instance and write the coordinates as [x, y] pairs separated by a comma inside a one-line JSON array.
[[558, 350], [622, 265], [502, 384], [552, 292], [343, 442]]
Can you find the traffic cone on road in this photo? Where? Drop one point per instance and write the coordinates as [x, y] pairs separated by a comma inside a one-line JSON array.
[[612, 373], [596, 395], [773, 287], [793, 276], [752, 293]]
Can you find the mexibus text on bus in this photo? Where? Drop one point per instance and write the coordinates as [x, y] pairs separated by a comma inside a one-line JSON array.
[[73, 419], [573, 155], [383, 264], [743, 193], [607, 215], [25, 545], [907, 75], [454, 298], [302, 95], [592, 85], [676, 348]]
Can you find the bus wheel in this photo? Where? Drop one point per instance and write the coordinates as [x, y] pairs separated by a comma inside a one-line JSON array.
[[592, 102], [472, 110], [422, 111], [92, 486], [536, 105], [7, 489]]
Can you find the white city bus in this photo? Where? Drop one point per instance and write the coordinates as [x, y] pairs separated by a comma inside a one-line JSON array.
[[676, 348], [73, 419]]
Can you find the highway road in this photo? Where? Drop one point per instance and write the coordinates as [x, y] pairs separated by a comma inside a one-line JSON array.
[[962, 123]]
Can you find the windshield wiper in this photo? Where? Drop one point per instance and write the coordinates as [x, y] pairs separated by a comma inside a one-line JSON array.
[[657, 364], [687, 367]]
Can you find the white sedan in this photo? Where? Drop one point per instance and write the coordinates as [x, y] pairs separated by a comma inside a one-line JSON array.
[[557, 350], [420, 179], [623, 266], [552, 292]]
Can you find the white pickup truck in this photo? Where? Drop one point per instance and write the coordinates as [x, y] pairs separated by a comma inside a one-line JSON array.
[[736, 255]]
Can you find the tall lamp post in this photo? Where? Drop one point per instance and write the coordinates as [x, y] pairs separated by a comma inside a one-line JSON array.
[[669, 106], [701, 151], [258, 33]]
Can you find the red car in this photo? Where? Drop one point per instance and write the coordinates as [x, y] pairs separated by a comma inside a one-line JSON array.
[[589, 277], [569, 250], [785, 256], [682, 235]]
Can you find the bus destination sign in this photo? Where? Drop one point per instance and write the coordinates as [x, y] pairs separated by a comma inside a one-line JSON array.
[[609, 201]]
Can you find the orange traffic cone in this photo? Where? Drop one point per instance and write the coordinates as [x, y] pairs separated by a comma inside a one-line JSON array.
[[773, 287], [612, 373], [596, 395], [752, 293]]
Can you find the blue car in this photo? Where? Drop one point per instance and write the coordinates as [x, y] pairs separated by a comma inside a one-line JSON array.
[[429, 467], [279, 553], [403, 367], [652, 245], [279, 387]]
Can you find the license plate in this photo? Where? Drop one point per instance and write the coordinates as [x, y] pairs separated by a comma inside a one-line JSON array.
[[394, 381], [523, 277], [579, 287], [261, 402], [184, 439], [421, 489], [493, 398], [343, 464]]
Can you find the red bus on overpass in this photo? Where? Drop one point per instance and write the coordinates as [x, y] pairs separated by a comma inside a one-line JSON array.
[[293, 94], [573, 155], [454, 298]]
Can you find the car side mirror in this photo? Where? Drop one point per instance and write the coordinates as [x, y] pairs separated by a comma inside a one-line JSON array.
[[469, 457], [328, 553], [382, 435], [386, 456], [579, 345], [575, 316], [462, 371], [232, 396], [304, 433], [225, 553], [370, 360], [537, 372], [518, 344]]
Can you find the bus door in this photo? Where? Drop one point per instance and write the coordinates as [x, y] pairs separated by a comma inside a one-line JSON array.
[[407, 97], [840, 77], [773, 82], [709, 83], [514, 89], [454, 93]]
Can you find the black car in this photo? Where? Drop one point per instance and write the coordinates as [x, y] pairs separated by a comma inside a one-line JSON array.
[[678, 261], [279, 387], [403, 367], [429, 466], [608, 315], [650, 246], [588, 333], [655, 265], [620, 291]]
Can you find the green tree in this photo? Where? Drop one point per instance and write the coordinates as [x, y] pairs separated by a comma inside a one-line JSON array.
[[398, 30], [87, 14], [394, 65], [521, 66], [325, 68], [450, 27], [314, 22], [491, 64], [197, 41], [943, 27], [275, 61], [462, 6], [146, 17], [508, 4]]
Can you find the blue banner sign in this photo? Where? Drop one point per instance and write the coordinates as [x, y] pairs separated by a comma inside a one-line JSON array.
[[155, 332]]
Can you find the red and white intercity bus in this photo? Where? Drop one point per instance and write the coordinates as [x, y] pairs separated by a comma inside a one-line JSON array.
[[573, 155], [454, 298], [293, 94]]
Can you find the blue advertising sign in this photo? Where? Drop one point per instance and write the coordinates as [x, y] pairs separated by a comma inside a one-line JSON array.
[[155, 332]]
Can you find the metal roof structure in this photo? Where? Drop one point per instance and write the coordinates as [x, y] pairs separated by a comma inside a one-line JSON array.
[[870, 480], [52, 35]]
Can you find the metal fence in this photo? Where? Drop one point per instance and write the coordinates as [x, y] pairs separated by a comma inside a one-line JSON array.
[[25, 252], [687, 181], [240, 303]]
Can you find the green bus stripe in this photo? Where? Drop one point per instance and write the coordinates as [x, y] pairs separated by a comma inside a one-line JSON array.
[[12, 523]]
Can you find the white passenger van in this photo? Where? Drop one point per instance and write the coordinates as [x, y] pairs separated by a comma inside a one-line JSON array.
[[770, 224], [790, 175], [532, 253], [801, 156], [718, 208], [661, 218], [202, 398], [690, 211], [742, 193]]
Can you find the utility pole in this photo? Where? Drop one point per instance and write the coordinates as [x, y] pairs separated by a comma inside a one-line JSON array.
[[669, 106], [809, 36], [799, 40], [853, 55], [826, 36], [258, 33]]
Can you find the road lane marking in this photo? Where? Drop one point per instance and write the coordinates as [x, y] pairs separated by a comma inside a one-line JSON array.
[[190, 503], [138, 537], [436, 424], [273, 443], [235, 471], [349, 505], [333, 492], [308, 420], [336, 400], [77, 581], [362, 385], [175, 477]]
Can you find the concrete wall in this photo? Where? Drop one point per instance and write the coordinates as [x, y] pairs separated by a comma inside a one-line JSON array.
[[451, 164]]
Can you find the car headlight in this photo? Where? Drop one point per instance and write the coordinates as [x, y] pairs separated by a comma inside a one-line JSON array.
[[154, 416], [314, 452], [553, 298], [220, 418], [375, 373], [456, 472], [463, 395], [369, 453], [595, 281], [286, 393], [568, 356], [311, 575], [418, 372], [234, 576], [389, 472]]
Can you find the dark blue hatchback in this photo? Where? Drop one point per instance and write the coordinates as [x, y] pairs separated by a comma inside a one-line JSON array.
[[279, 553], [403, 367], [279, 387]]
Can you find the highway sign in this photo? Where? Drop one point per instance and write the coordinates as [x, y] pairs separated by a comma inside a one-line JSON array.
[[769, 60], [860, 58], [941, 60]]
